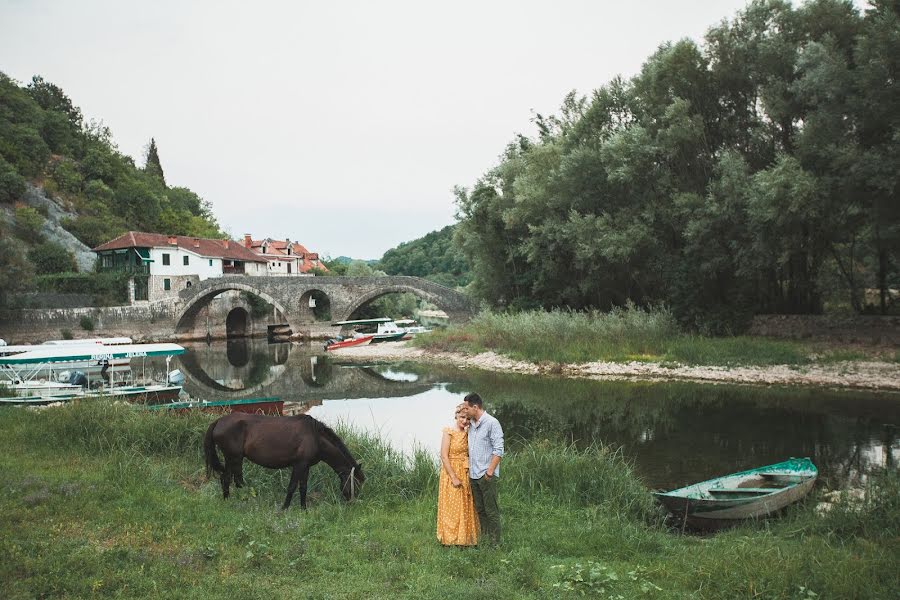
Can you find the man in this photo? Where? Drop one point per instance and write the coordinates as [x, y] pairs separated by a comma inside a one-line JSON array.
[[485, 452]]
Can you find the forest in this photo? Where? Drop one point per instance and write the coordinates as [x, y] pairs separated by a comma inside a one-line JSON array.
[[45, 141], [753, 173]]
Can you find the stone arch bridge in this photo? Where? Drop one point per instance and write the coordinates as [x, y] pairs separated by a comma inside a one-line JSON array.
[[307, 303]]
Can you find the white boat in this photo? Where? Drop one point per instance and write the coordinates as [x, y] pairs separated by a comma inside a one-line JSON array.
[[79, 365], [411, 327], [382, 329], [39, 376]]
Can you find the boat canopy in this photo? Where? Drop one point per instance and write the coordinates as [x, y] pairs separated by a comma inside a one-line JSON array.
[[98, 353], [405, 321], [363, 321]]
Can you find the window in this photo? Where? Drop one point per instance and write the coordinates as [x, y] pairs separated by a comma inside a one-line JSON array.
[[165, 259], [188, 284], [210, 262], [167, 284], [186, 260]]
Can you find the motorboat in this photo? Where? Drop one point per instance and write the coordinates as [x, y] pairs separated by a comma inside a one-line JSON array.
[[382, 329], [6, 350], [338, 342], [43, 374]]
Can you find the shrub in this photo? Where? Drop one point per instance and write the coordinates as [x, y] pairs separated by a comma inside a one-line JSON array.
[[86, 323], [12, 185], [68, 179], [50, 257], [66, 334], [28, 223], [108, 288]]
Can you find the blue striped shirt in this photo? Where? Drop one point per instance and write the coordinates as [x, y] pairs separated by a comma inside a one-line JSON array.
[[485, 440]]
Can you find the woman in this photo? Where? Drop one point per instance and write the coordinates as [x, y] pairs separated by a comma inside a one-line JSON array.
[[457, 522]]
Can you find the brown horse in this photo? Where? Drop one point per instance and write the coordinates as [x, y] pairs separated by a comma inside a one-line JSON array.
[[277, 443]]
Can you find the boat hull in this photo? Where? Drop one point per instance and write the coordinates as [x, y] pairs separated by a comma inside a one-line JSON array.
[[151, 394], [730, 499], [360, 341], [256, 406]]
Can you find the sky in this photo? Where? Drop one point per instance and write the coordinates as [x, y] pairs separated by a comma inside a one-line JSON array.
[[342, 125]]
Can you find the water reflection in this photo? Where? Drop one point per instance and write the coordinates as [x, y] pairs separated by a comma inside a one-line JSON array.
[[676, 432]]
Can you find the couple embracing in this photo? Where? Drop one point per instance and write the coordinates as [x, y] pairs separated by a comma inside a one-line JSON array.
[[467, 494]]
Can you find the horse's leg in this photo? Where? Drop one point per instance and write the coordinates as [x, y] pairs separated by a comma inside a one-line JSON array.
[[226, 476], [300, 474], [239, 473]]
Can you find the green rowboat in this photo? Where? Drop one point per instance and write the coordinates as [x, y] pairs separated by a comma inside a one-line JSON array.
[[749, 494]]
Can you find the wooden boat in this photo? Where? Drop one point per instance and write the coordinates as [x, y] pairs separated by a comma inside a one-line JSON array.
[[749, 494], [34, 376], [341, 342], [260, 406]]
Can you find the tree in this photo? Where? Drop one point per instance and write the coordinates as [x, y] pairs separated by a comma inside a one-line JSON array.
[[12, 185], [15, 271], [49, 257], [152, 164]]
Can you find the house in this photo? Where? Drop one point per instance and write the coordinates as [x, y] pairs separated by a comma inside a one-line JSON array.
[[162, 265], [285, 257]]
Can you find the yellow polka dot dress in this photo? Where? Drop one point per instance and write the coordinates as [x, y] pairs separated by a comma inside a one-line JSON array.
[[457, 522]]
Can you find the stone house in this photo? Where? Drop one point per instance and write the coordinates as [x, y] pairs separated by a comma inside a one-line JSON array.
[[162, 265], [285, 257]]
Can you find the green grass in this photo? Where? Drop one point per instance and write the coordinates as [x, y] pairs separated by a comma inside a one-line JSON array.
[[102, 500], [622, 335]]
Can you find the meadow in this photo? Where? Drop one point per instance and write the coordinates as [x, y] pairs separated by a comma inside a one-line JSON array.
[[108, 500]]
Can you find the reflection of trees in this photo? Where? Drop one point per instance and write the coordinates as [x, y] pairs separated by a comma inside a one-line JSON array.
[[315, 370], [677, 430]]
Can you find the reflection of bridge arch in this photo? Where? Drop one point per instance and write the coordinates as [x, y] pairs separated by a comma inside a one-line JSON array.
[[184, 320], [292, 381]]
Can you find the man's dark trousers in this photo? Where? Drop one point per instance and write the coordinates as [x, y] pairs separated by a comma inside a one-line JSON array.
[[484, 493]]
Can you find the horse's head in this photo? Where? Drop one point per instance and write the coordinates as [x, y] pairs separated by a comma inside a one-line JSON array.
[[352, 481]]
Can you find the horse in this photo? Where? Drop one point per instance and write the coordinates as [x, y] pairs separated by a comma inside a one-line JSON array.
[[298, 442]]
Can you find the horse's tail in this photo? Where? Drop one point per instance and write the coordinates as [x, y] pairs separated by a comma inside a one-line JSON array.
[[209, 449]]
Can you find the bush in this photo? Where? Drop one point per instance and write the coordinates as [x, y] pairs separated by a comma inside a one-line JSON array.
[[28, 223], [12, 185], [109, 288], [50, 257], [68, 179], [66, 334], [86, 323]]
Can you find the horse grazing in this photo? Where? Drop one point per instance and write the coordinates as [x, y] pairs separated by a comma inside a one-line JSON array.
[[277, 443]]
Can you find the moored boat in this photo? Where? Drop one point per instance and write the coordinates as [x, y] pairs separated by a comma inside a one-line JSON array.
[[754, 493], [38, 377], [339, 342]]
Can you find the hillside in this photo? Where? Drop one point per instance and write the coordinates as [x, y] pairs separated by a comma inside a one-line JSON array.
[[433, 257], [65, 188]]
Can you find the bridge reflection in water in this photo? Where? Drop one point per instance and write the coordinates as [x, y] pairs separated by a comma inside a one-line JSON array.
[[675, 432]]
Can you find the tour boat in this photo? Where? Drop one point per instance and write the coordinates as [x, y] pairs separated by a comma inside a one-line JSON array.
[[749, 494], [41, 376], [82, 365], [410, 326]]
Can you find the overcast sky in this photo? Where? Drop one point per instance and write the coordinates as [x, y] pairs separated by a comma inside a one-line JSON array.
[[343, 125]]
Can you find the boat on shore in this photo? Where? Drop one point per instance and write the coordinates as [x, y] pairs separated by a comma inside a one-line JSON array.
[[382, 329], [41, 376], [6, 350], [755, 493], [338, 342]]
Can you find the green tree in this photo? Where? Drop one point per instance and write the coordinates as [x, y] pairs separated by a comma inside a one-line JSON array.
[[152, 165], [15, 271], [12, 185], [49, 257], [29, 223]]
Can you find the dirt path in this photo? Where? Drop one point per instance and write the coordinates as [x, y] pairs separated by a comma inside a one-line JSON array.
[[864, 375]]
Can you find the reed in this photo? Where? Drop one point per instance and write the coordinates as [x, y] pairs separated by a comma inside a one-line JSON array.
[[621, 335]]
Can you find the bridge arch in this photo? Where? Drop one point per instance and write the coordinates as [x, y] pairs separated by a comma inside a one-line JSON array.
[[364, 299], [184, 320]]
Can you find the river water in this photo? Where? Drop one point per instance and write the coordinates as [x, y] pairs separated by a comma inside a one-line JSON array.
[[676, 433]]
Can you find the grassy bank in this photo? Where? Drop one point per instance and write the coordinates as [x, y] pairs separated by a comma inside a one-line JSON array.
[[104, 500], [624, 335]]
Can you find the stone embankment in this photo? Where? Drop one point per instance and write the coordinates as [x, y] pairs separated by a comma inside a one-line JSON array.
[[856, 374]]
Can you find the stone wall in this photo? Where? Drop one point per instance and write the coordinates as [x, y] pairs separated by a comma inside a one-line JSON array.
[[142, 322], [852, 329]]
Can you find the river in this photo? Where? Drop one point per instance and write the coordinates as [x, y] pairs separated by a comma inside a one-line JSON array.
[[675, 433]]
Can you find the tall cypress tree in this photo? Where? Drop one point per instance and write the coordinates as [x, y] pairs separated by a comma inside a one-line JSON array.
[[153, 165]]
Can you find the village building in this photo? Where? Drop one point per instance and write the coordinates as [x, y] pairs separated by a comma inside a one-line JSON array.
[[162, 265], [285, 257]]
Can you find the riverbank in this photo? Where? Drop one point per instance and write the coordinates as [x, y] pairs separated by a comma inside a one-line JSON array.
[[101, 499], [859, 374]]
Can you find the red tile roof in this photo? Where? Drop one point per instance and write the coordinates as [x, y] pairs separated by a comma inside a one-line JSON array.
[[203, 246], [278, 249]]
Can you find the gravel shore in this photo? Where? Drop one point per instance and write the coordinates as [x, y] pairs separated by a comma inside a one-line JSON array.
[[856, 374]]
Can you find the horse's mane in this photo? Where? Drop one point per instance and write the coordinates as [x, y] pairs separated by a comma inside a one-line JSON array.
[[332, 437]]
